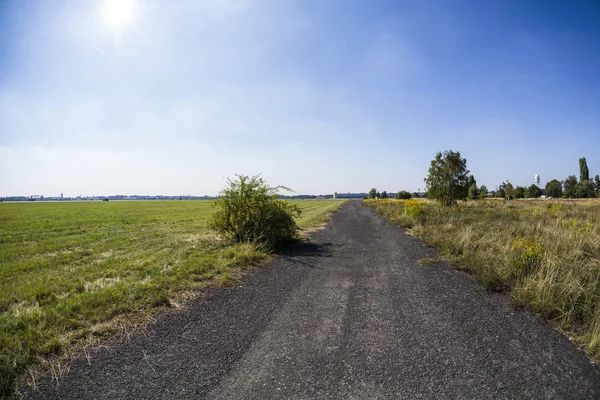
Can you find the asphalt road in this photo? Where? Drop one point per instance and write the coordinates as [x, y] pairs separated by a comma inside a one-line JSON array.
[[351, 315]]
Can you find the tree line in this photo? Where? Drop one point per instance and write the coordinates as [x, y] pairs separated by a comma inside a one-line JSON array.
[[401, 195], [449, 181], [570, 188]]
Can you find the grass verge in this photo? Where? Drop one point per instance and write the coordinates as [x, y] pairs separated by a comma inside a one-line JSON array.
[[72, 274], [316, 213], [425, 262], [546, 254]]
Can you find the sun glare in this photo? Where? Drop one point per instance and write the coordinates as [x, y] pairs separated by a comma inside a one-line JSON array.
[[117, 12]]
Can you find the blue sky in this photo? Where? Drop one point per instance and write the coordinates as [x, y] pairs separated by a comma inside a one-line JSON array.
[[317, 95]]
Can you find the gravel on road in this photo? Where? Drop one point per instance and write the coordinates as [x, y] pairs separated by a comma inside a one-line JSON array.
[[349, 315]]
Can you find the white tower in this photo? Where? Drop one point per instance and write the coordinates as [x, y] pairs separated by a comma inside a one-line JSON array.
[[536, 180]]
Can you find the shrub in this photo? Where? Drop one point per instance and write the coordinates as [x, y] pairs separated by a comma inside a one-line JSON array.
[[403, 195], [249, 211]]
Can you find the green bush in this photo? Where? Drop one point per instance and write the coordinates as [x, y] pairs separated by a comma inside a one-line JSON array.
[[249, 211], [403, 195]]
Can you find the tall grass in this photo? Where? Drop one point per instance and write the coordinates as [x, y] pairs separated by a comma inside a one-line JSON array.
[[545, 253], [74, 273]]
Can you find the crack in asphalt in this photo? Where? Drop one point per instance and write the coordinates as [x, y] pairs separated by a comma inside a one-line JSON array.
[[350, 315]]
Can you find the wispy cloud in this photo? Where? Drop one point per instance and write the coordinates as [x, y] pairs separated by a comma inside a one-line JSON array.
[[101, 52]]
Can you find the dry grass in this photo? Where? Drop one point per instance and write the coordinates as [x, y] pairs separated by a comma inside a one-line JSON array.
[[545, 253]]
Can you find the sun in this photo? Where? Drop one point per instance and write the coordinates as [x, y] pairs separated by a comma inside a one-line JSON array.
[[117, 13]]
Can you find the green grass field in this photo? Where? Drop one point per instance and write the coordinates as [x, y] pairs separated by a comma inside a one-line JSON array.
[[71, 273]]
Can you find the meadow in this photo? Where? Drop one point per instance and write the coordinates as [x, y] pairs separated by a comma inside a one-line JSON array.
[[72, 274], [544, 253]]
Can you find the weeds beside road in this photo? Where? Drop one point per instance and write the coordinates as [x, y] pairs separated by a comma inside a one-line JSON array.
[[546, 253], [73, 273]]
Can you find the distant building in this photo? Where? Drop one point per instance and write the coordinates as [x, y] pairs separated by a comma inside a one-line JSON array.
[[350, 195]]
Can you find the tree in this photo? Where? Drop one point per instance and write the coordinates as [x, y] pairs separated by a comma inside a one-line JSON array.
[[483, 192], [507, 190], [533, 191], [584, 172], [510, 191], [597, 185], [372, 193], [570, 187], [500, 192], [378, 195], [584, 190], [403, 195], [248, 211], [554, 188], [519, 192], [473, 192], [471, 181], [384, 195], [447, 179]]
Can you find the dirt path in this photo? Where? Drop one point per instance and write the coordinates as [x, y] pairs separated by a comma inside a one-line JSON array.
[[350, 316]]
